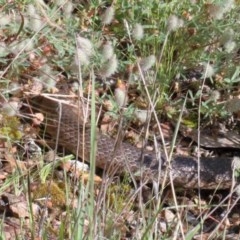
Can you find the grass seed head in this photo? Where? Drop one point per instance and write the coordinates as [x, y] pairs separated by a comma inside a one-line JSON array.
[[81, 58], [85, 45], [68, 9], [147, 63], [174, 23], [14, 88], [109, 67], [215, 95], [4, 19], [36, 23], [107, 50], [84, 51], [230, 46], [236, 164], [141, 115], [138, 31], [209, 70], [120, 94], [108, 15], [31, 10], [4, 51], [217, 11], [10, 108]]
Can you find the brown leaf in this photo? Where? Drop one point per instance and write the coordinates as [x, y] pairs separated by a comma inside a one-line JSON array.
[[14, 164], [37, 119], [18, 205]]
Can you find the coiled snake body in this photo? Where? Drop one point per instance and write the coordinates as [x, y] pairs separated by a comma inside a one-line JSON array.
[[62, 123]]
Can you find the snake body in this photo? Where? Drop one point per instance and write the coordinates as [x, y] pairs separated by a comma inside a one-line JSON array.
[[62, 122]]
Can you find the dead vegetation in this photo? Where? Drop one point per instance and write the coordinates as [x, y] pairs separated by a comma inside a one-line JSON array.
[[164, 73]]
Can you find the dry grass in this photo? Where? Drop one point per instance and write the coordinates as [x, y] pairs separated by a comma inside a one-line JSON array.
[[177, 62]]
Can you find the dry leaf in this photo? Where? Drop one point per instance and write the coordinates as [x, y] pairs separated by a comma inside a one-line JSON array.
[[37, 119], [14, 164]]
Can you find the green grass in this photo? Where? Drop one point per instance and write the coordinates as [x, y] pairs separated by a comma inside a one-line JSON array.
[[40, 47]]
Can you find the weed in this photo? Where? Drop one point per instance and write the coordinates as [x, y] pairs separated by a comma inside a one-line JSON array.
[[180, 57]]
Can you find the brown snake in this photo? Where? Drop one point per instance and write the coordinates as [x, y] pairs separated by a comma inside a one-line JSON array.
[[62, 122]]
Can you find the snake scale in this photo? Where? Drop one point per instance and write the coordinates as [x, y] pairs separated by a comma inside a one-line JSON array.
[[63, 124]]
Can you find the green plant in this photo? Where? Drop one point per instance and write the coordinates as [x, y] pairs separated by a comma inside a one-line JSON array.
[[164, 50]]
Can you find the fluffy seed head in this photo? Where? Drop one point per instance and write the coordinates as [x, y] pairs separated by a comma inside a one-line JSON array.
[[215, 95], [36, 23], [108, 16], [85, 45], [84, 51], [228, 5], [14, 88], [26, 44], [141, 115], [68, 8], [147, 63], [227, 40], [31, 10], [109, 67], [4, 19], [59, 2], [48, 79], [138, 31], [107, 50], [217, 11], [174, 23], [81, 58], [37, 85], [10, 108], [209, 70], [3, 50], [120, 94], [230, 46]]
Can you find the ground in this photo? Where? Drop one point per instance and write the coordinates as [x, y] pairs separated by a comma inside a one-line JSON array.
[[175, 60]]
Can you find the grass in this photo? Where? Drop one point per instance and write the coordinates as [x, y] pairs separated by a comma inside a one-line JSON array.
[[184, 66]]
